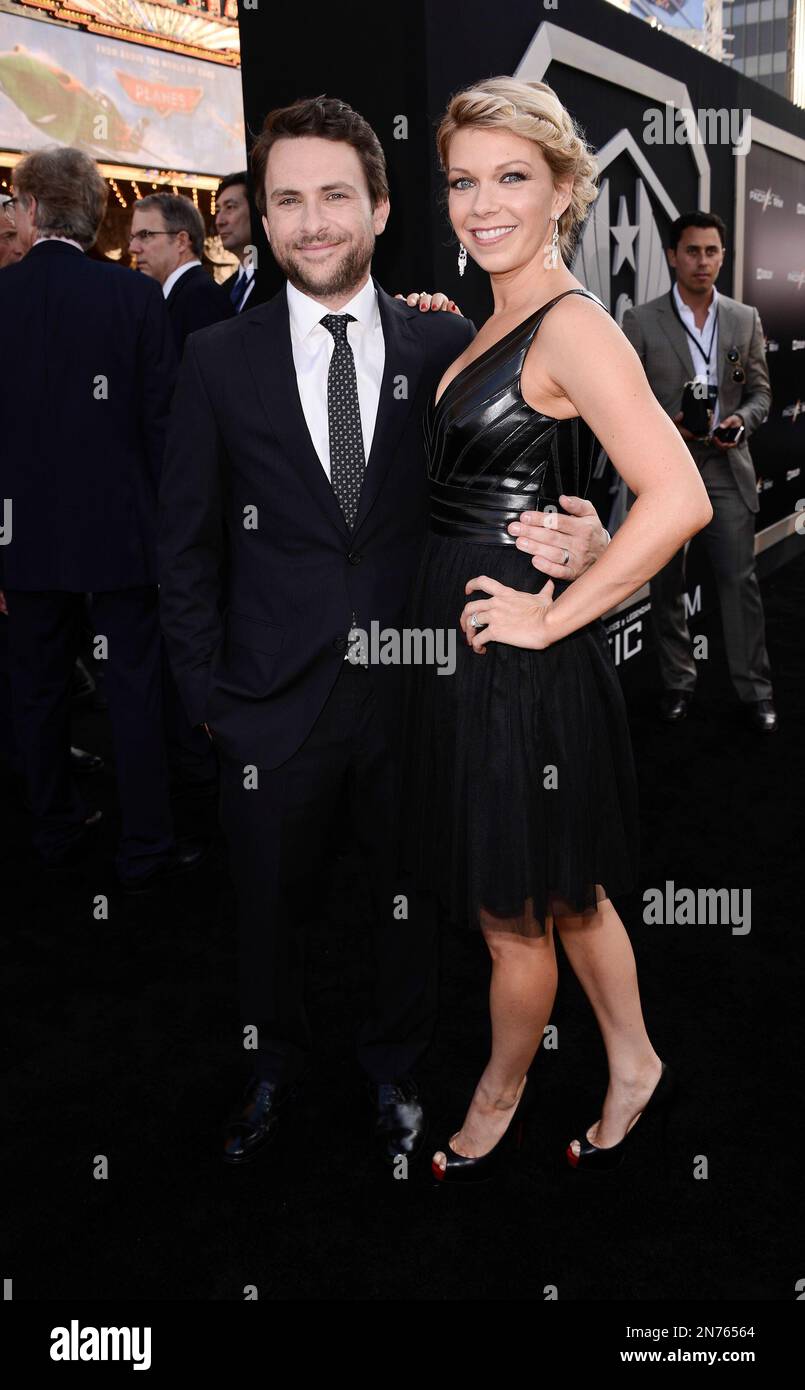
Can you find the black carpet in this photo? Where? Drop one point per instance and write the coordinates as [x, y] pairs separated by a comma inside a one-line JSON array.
[[120, 1043]]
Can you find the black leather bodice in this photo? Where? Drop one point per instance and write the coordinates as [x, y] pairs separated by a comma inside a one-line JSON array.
[[490, 456]]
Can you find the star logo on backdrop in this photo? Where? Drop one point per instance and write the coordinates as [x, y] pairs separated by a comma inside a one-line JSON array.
[[624, 233]]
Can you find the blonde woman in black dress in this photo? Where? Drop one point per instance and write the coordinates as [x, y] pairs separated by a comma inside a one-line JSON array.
[[520, 801]]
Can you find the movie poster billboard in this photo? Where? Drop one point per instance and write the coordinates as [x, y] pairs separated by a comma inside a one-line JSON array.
[[124, 103]]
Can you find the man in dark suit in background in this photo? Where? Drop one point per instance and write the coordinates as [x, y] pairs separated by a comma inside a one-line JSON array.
[[84, 397], [282, 526], [167, 240], [81, 761], [250, 284]]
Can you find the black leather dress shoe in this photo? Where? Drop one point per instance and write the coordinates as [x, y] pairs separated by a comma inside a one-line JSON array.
[[81, 761], [251, 1127], [762, 716], [674, 705], [400, 1126], [83, 684], [188, 855]]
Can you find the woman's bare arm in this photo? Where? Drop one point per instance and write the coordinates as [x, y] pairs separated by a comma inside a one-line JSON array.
[[592, 363]]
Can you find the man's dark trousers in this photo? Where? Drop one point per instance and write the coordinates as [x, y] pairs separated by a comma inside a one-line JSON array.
[[279, 836], [44, 634]]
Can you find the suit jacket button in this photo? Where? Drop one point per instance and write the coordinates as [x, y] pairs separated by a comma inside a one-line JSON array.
[[340, 644], [354, 558]]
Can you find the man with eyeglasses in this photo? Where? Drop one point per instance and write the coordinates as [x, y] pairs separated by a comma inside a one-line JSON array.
[[705, 360], [167, 241]]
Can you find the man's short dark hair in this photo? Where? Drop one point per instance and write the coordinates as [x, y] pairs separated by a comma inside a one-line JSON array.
[[329, 119], [234, 181], [696, 219]]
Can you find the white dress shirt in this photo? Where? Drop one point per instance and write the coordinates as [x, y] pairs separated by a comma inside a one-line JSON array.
[[312, 345], [175, 274], [248, 271], [702, 335], [68, 239]]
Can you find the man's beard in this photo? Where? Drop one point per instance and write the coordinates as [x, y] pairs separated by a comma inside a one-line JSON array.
[[349, 271]]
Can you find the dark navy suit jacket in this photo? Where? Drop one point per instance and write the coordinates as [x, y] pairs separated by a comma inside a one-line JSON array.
[[261, 292], [88, 373], [256, 616], [194, 302]]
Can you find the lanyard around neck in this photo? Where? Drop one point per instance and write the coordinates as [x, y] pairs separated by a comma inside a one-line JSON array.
[[706, 355]]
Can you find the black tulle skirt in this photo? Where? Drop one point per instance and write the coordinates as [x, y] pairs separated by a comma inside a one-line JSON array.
[[518, 779]]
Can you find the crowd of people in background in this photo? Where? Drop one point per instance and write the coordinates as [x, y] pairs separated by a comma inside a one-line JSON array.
[[57, 596]]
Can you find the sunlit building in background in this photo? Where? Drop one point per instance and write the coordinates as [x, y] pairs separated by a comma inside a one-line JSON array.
[[769, 44], [764, 39]]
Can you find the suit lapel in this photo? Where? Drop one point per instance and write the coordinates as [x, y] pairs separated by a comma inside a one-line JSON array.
[[270, 360], [398, 389], [676, 336]]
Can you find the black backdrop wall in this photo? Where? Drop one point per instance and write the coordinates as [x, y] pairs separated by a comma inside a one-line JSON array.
[[407, 60], [399, 65]]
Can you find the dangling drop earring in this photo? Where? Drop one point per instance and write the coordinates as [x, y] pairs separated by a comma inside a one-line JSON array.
[[555, 244], [462, 259]]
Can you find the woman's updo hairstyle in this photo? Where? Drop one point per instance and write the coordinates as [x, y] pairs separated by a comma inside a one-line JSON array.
[[533, 110]]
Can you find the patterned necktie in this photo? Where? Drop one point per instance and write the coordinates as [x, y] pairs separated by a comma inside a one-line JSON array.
[[238, 290], [347, 459]]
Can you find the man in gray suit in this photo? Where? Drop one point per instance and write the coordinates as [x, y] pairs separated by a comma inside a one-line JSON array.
[[695, 334]]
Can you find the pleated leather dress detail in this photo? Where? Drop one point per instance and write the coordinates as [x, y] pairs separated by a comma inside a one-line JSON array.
[[518, 780]]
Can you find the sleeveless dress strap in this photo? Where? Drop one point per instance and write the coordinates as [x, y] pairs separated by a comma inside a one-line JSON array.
[[573, 422], [588, 294], [531, 329]]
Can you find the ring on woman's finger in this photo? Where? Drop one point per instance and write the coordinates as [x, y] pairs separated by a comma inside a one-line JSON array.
[[475, 623]]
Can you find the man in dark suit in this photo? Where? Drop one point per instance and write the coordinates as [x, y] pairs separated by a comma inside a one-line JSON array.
[[292, 510], [249, 285], [84, 397], [80, 761], [694, 333], [167, 239]]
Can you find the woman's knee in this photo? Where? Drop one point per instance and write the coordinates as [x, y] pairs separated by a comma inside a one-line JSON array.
[[565, 915], [517, 938]]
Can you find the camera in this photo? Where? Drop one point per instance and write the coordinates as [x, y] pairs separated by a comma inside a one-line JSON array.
[[698, 406]]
